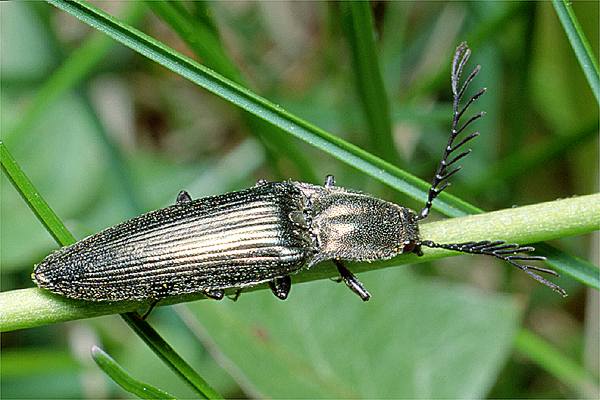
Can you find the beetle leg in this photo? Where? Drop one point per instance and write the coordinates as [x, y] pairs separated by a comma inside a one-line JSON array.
[[150, 308], [329, 181], [183, 197], [215, 294], [352, 281], [235, 296], [281, 287]]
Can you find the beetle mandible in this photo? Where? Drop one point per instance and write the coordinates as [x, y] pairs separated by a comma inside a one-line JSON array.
[[264, 234]]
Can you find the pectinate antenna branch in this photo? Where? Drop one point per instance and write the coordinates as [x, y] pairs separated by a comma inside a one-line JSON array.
[[508, 252], [459, 61]]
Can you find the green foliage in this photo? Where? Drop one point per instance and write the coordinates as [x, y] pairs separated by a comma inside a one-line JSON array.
[[421, 335]]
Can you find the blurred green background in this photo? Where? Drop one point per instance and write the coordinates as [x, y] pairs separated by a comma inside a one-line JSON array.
[[105, 135]]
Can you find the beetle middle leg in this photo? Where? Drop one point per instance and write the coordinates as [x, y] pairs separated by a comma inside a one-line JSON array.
[[235, 296], [150, 308], [352, 281], [281, 287]]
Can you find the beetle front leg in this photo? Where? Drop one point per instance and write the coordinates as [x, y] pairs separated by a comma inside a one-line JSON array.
[[352, 281]]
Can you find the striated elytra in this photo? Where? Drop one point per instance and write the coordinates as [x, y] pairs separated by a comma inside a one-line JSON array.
[[264, 234], [235, 240]]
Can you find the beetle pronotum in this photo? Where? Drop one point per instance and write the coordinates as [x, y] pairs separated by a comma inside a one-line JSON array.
[[264, 234]]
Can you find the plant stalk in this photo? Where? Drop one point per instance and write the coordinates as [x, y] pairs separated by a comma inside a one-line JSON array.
[[27, 308]]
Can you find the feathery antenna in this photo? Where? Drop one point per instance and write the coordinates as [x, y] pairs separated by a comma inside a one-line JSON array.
[[508, 252], [511, 253], [461, 56]]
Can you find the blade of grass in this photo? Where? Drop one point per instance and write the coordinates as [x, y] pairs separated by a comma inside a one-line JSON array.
[[204, 41], [581, 46], [575, 267], [358, 25], [32, 198], [169, 356], [26, 308], [568, 371], [249, 101], [62, 235], [123, 379]]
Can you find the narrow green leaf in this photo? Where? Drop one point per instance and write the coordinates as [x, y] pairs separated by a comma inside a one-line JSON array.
[[575, 267], [358, 23], [169, 356], [203, 40], [123, 379], [247, 100], [61, 234], [34, 200], [580, 44], [550, 359]]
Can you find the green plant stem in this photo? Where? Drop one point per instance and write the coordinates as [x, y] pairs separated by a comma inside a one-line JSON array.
[[63, 237], [27, 308], [567, 370], [580, 44], [123, 379]]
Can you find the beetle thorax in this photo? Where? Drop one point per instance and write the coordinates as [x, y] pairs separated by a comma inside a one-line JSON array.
[[352, 226]]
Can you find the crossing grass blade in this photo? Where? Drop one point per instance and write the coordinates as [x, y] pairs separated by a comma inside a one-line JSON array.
[[122, 378], [581, 46], [62, 235]]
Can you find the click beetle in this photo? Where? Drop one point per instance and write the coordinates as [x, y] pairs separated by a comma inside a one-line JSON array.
[[264, 234]]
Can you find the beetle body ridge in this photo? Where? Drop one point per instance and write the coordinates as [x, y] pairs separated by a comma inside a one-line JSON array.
[[236, 240]]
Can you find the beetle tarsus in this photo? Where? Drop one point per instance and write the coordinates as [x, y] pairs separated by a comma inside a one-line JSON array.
[[183, 197], [149, 310], [352, 281], [281, 287], [215, 294]]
